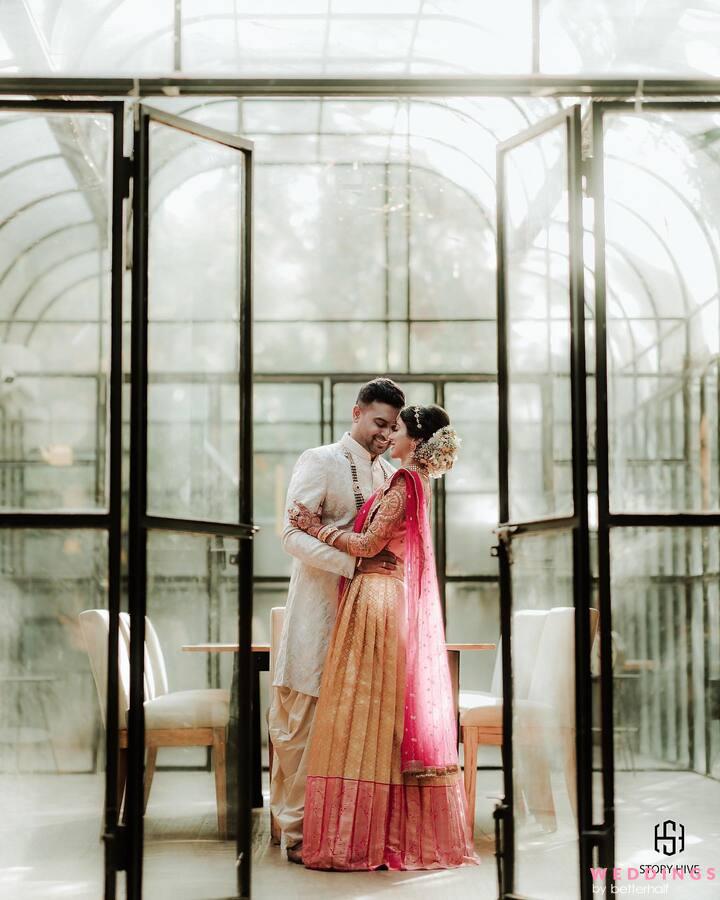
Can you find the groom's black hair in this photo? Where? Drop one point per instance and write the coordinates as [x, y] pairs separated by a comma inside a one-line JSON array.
[[382, 390]]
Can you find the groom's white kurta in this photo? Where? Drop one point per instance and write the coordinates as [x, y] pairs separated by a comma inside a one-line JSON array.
[[321, 476]]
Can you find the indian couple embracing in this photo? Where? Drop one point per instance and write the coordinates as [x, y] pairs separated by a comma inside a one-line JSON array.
[[365, 771]]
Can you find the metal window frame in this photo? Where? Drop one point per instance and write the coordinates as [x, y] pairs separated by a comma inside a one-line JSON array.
[[141, 523], [366, 86], [575, 525]]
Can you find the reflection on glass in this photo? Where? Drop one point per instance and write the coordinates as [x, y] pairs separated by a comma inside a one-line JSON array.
[[645, 39], [192, 598], [287, 422], [666, 665], [544, 768], [55, 257], [538, 325], [194, 309], [51, 732], [662, 251], [471, 511]]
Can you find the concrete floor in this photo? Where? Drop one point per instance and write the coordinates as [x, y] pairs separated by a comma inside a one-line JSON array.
[[49, 844]]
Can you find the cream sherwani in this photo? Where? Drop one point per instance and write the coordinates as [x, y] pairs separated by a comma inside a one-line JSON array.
[[321, 476]]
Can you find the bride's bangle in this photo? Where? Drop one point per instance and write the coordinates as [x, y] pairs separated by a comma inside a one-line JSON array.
[[329, 534], [324, 532]]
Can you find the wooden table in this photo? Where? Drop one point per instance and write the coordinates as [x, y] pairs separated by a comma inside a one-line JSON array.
[[261, 663]]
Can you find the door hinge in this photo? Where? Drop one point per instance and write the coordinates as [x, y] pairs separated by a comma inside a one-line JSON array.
[[127, 172], [116, 848], [499, 817]]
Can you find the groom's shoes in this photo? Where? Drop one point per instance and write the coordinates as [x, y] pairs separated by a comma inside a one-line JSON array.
[[294, 853]]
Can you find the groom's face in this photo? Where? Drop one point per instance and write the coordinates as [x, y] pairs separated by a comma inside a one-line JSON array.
[[373, 423]]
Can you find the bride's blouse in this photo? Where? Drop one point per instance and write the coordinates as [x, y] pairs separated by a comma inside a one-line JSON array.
[[385, 525]]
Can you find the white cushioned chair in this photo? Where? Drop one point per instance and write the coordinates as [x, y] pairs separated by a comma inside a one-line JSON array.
[[195, 718], [544, 709], [481, 713]]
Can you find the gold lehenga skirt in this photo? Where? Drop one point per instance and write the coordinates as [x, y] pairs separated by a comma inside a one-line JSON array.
[[360, 811]]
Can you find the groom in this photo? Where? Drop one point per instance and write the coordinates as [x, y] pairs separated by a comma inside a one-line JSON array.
[[339, 477]]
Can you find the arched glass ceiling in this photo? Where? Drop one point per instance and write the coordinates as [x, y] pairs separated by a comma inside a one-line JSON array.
[[359, 37], [662, 238]]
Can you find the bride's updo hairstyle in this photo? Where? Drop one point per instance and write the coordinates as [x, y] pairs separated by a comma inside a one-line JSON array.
[[439, 443]]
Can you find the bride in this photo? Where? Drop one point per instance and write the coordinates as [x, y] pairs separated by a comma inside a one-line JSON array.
[[384, 786]]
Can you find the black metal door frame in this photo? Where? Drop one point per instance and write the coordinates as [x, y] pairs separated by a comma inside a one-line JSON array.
[[141, 523], [575, 524]]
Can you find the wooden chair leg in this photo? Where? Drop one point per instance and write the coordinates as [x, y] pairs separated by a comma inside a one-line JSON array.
[[149, 772], [470, 747], [121, 780], [220, 779]]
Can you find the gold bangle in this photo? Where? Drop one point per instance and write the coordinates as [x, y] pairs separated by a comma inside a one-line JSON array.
[[333, 536]]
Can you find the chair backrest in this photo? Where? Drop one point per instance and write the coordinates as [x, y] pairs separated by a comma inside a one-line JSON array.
[[527, 626], [277, 620], [156, 681], [153, 649], [95, 629], [553, 676]]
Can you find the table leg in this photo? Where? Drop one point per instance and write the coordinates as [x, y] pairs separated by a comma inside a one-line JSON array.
[[454, 665], [257, 795], [232, 755]]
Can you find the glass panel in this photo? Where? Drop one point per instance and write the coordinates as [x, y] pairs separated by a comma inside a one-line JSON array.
[[287, 422], [52, 755], [663, 277], [312, 39], [544, 774], [55, 257], [192, 599], [623, 39], [473, 616], [666, 669], [352, 37], [194, 310], [536, 205], [453, 347], [471, 502]]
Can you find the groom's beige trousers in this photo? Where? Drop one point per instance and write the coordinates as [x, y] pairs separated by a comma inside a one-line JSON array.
[[290, 722]]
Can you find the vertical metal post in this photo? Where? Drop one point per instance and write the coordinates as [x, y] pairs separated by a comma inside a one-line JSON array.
[[506, 863], [137, 536], [581, 548], [113, 860], [607, 849], [245, 580]]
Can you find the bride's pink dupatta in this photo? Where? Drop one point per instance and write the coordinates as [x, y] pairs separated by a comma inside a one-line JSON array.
[[429, 745]]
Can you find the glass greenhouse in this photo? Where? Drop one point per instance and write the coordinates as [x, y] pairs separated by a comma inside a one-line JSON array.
[[217, 221]]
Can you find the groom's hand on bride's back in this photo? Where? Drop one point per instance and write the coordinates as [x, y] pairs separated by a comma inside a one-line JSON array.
[[385, 563]]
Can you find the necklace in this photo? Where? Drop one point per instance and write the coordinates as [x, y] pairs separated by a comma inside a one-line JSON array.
[[359, 499]]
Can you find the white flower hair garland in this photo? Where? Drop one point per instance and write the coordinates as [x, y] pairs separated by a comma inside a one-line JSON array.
[[438, 454]]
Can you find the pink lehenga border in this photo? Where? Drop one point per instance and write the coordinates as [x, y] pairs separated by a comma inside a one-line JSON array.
[[356, 825]]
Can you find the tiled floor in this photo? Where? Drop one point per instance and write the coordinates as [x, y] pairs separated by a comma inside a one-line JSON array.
[[49, 844]]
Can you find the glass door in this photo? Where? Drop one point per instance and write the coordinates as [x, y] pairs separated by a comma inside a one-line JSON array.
[[61, 263], [190, 516], [547, 625]]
